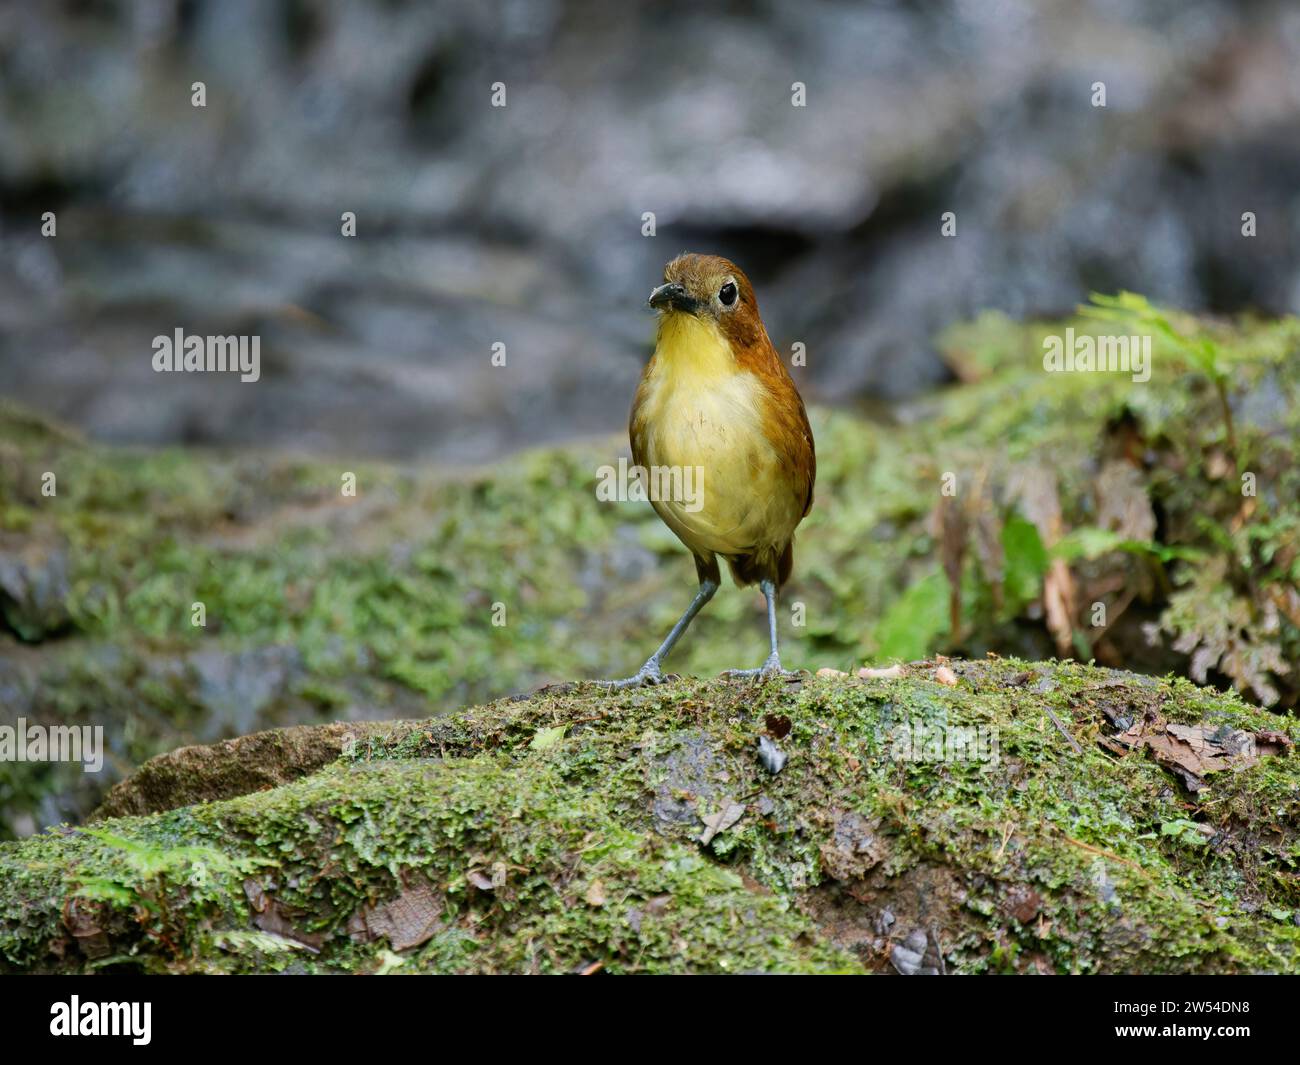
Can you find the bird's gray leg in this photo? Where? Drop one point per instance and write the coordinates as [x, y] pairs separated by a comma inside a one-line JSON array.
[[651, 673], [772, 667], [774, 659]]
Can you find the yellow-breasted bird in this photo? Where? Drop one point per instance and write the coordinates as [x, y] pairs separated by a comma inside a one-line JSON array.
[[715, 397]]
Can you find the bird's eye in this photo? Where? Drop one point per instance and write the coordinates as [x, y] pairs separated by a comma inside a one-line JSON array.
[[727, 294]]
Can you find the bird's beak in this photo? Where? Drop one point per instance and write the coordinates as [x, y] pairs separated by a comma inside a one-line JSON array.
[[673, 296]]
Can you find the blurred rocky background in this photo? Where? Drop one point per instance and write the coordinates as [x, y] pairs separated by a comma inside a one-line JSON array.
[[523, 224]]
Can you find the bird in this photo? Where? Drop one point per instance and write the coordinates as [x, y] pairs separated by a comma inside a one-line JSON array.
[[715, 398]]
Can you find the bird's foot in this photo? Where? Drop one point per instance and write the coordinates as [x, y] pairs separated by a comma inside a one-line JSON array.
[[770, 668], [647, 675]]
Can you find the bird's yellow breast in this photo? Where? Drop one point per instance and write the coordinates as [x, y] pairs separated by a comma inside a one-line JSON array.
[[698, 408]]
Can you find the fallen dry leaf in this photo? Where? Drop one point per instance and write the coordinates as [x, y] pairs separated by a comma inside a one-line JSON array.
[[887, 673], [1033, 488], [730, 813], [270, 916], [945, 676], [480, 880], [1122, 502], [1193, 751], [1269, 742], [1058, 605], [408, 920], [778, 726], [81, 919], [918, 955], [949, 525]]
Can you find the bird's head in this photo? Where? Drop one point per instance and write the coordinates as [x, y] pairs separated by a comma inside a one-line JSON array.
[[711, 288]]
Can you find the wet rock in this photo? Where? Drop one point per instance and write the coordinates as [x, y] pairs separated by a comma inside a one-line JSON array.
[[381, 342], [1022, 902], [236, 688], [687, 774], [34, 589], [854, 848]]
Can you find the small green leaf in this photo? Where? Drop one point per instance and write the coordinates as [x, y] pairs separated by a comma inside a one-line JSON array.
[[1027, 561], [104, 890], [1185, 832], [548, 737], [911, 627], [1090, 542]]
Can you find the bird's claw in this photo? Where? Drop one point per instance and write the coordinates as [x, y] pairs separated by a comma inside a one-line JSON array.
[[769, 669], [648, 675]]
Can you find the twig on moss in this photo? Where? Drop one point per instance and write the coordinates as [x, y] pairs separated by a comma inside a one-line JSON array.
[[1064, 731]]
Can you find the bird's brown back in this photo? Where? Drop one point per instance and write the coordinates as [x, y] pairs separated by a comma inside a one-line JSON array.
[[688, 368]]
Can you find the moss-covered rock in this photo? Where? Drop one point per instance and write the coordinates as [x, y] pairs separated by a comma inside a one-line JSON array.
[[978, 816], [207, 773]]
